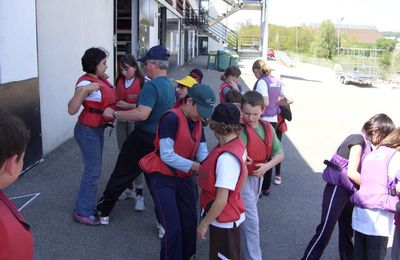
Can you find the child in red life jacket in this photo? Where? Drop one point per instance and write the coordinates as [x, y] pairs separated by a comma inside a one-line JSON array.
[[375, 201], [129, 84], [179, 147], [96, 94], [221, 178], [264, 151], [15, 234], [182, 89], [230, 80]]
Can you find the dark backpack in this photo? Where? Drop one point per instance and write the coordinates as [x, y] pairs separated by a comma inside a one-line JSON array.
[[286, 112]]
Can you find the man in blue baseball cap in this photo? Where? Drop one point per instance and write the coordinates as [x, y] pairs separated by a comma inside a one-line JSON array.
[[156, 53], [156, 97]]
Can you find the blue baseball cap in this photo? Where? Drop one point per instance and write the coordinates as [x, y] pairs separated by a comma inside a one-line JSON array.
[[156, 53]]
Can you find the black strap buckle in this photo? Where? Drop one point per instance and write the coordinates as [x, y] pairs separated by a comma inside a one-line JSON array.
[[95, 110]]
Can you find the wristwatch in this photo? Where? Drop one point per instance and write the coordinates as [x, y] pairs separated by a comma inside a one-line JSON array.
[[114, 114]]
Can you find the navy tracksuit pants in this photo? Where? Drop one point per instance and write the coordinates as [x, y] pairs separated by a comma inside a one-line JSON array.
[[336, 207], [175, 203]]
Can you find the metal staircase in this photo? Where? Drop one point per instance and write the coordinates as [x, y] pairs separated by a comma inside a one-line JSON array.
[[235, 7], [222, 34], [214, 29]]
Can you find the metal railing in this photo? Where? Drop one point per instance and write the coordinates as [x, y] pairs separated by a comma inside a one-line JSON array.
[[199, 21], [224, 35]]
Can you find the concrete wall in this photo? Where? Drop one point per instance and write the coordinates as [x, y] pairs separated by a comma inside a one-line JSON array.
[[66, 28], [18, 56]]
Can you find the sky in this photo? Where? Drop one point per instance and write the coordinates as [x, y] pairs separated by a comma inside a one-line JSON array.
[[384, 14]]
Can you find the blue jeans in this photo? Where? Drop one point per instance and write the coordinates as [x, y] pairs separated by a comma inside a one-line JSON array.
[[90, 141]]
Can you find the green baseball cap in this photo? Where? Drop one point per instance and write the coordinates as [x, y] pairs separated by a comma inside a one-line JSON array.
[[204, 98]]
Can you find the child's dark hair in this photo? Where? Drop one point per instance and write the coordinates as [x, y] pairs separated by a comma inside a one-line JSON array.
[[128, 60], [223, 129], [254, 99], [231, 71], [380, 122], [13, 136], [91, 58], [233, 96]]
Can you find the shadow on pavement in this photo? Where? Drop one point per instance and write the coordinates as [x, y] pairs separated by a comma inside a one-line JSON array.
[[288, 216], [299, 78]]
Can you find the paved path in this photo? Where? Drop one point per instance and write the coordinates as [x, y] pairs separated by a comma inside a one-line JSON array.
[[324, 112]]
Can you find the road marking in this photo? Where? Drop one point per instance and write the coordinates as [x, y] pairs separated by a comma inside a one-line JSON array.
[[33, 196]]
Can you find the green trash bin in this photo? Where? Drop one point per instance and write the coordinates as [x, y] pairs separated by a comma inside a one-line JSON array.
[[234, 60], [212, 60], [223, 59]]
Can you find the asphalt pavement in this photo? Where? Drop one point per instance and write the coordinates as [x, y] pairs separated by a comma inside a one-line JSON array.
[[323, 113]]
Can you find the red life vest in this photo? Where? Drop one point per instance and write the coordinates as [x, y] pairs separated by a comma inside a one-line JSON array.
[[221, 91], [206, 180], [92, 113], [259, 150], [130, 94], [281, 126], [186, 145], [178, 103], [16, 236]]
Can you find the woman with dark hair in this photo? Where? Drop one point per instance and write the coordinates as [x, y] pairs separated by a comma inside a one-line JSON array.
[[95, 94], [342, 176]]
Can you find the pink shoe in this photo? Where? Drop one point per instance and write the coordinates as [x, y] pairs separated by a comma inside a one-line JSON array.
[[90, 221]]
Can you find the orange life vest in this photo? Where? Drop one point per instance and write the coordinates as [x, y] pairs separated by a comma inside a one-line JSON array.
[[281, 126], [259, 150], [130, 94], [221, 91], [92, 113], [186, 145], [206, 180]]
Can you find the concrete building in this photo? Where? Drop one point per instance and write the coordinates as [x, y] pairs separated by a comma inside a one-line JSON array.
[[42, 42]]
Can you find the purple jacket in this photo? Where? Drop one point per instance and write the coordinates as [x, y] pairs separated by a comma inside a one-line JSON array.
[[274, 91], [375, 182], [336, 171]]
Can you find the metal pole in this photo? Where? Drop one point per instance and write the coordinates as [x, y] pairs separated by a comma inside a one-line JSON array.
[[338, 36], [297, 39], [264, 29]]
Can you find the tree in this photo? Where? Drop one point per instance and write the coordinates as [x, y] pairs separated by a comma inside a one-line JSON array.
[[386, 44], [396, 61], [248, 33], [324, 44]]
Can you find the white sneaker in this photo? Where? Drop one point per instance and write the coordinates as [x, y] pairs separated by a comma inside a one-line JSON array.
[[139, 206], [277, 180], [127, 194], [161, 230], [105, 220]]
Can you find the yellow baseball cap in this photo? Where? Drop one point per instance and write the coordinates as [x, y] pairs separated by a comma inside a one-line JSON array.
[[187, 81]]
